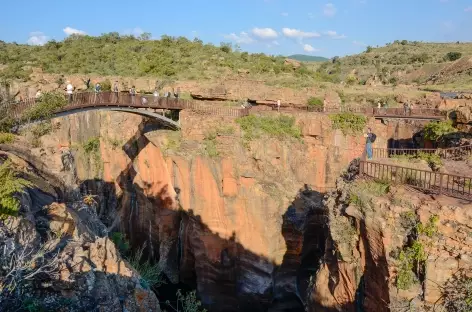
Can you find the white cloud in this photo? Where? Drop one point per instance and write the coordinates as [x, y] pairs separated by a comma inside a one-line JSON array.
[[37, 38], [334, 35], [308, 48], [264, 33], [72, 31], [358, 43], [329, 9], [296, 33], [284, 14], [469, 9], [242, 38]]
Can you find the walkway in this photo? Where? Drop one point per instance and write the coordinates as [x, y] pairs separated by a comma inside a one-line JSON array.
[[454, 153], [125, 102]]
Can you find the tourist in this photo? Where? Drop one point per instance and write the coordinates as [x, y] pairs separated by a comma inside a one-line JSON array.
[[370, 138], [156, 95], [278, 105], [38, 94], [410, 107], [70, 91], [116, 91], [87, 83], [132, 93], [144, 100], [98, 89], [176, 94], [405, 108]]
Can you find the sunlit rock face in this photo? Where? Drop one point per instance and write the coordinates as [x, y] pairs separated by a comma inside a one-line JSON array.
[[243, 227]]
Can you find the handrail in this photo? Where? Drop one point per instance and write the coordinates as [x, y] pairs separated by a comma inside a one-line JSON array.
[[81, 100], [445, 153], [436, 182]]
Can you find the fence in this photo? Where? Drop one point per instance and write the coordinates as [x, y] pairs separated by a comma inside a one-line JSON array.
[[455, 153], [110, 99], [440, 183]]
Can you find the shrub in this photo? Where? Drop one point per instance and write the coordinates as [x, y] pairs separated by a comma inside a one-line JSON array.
[[453, 56], [106, 85], [408, 258], [436, 130], [348, 123], [10, 185], [92, 145], [369, 49], [209, 143], [362, 192], [187, 303], [457, 293], [315, 103], [6, 138], [351, 79], [41, 129], [45, 106], [279, 127], [120, 242], [151, 273]]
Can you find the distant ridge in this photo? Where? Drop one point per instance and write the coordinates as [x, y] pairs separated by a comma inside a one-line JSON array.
[[307, 58]]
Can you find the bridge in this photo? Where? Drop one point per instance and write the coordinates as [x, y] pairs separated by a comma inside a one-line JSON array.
[[145, 105]]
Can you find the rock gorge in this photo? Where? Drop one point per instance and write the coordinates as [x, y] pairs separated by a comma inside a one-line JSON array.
[[246, 222]]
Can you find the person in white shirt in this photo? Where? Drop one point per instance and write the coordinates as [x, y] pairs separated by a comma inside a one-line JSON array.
[[156, 95], [278, 105], [70, 91]]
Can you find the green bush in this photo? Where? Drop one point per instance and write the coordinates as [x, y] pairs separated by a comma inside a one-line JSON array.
[[408, 258], [187, 302], [10, 185], [120, 242], [453, 56], [6, 138], [436, 130], [281, 127], [41, 129], [316, 103], [92, 145], [151, 273], [348, 123], [106, 85], [45, 106]]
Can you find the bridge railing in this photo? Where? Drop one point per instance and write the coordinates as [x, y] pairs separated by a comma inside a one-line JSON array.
[[436, 182], [81, 100], [459, 152]]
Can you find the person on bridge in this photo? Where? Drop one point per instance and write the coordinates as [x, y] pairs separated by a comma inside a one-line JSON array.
[[156, 95], [405, 108], [144, 100], [98, 89], [132, 93], [70, 91], [176, 94], [369, 139], [116, 91]]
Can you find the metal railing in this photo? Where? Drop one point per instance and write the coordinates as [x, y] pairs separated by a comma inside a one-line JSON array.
[[435, 182], [454, 153], [422, 113], [83, 100]]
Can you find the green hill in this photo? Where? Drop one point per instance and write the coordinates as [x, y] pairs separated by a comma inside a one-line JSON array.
[[113, 54], [307, 58]]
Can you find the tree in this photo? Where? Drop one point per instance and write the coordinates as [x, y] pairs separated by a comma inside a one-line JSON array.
[[226, 47], [145, 36], [369, 49], [453, 56]]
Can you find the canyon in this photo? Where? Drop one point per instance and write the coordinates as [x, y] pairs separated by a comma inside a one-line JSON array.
[[253, 225]]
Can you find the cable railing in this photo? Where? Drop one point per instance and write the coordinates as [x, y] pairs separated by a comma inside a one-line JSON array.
[[83, 100], [435, 182]]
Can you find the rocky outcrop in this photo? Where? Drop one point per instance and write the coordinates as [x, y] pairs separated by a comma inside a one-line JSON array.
[[375, 237], [56, 256]]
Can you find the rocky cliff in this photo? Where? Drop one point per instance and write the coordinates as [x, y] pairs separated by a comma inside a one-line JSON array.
[[240, 220]]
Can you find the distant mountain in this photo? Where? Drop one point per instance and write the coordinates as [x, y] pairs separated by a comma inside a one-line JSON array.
[[307, 58]]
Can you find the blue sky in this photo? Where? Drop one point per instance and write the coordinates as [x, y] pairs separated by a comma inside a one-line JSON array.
[[327, 28]]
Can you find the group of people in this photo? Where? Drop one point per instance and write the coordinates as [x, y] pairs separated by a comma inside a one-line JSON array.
[[97, 89]]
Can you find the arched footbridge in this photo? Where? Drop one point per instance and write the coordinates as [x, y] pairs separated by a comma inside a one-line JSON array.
[[149, 106]]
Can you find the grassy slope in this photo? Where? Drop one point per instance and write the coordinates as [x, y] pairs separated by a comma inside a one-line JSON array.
[[413, 62]]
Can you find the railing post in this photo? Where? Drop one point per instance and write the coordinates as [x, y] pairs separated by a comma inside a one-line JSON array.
[[440, 183], [361, 168]]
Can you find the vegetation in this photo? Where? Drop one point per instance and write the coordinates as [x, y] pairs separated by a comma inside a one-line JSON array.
[[45, 106], [457, 293], [11, 184], [92, 145], [348, 123], [114, 54], [434, 160], [151, 273], [186, 303], [453, 56], [315, 103], [307, 58], [210, 144], [120, 242], [413, 256], [281, 127], [435, 131], [6, 138], [362, 192]]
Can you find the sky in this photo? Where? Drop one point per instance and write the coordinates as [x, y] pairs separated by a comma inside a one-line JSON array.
[[279, 27]]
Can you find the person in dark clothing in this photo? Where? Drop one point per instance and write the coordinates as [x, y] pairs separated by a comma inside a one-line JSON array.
[[132, 93], [369, 139], [176, 94]]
